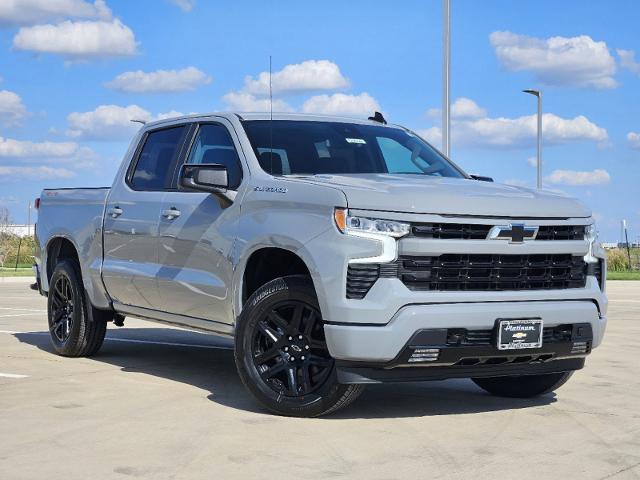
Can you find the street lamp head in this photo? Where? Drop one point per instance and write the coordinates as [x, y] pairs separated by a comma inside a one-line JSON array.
[[532, 92]]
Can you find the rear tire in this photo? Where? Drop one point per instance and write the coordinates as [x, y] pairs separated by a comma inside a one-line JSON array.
[[281, 353], [524, 386], [77, 329]]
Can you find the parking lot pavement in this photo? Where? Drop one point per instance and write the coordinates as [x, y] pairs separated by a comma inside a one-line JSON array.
[[166, 403]]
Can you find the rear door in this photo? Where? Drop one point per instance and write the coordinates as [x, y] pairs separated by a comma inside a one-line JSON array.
[[132, 216], [197, 231]]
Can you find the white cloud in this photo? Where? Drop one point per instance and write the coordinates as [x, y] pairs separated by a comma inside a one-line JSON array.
[[188, 78], [308, 76], [628, 60], [30, 12], [634, 140], [111, 122], [185, 5], [433, 135], [461, 108], [576, 178], [466, 108], [22, 173], [169, 114], [519, 132], [107, 122], [12, 110], [532, 161], [55, 154], [245, 102], [342, 104], [10, 148], [78, 40], [572, 61]]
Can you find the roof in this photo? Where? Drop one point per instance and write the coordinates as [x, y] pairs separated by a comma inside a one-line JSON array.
[[267, 116]]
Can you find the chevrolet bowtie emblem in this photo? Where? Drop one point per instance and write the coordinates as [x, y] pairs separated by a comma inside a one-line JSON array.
[[515, 233], [519, 335]]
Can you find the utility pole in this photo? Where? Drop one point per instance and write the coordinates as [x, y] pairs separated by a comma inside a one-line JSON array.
[[446, 79], [626, 241], [538, 94]]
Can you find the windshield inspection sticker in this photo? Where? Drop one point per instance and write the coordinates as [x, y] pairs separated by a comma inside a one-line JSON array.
[[356, 140]]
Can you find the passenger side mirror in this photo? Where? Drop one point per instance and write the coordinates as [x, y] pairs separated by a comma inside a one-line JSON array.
[[480, 178], [205, 177]]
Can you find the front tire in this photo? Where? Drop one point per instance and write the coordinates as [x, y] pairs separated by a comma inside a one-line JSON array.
[[77, 329], [524, 386], [281, 352]]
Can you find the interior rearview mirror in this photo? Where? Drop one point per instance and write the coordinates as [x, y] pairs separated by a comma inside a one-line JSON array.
[[206, 177]]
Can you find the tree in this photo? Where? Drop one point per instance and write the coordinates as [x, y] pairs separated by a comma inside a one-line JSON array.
[[5, 220]]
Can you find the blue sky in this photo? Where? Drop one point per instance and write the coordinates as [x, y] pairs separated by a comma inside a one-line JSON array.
[[74, 72]]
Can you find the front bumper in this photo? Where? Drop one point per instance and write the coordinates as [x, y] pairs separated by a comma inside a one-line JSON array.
[[387, 348], [366, 374]]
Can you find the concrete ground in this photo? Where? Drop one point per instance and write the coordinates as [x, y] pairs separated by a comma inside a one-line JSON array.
[[164, 403]]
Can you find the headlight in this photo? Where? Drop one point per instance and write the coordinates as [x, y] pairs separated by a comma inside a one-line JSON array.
[[591, 233], [358, 225]]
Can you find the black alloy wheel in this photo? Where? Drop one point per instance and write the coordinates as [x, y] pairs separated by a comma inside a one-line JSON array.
[[281, 352], [289, 349], [76, 328], [62, 309]]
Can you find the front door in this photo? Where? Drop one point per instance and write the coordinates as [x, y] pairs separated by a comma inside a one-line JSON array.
[[132, 217], [196, 235]]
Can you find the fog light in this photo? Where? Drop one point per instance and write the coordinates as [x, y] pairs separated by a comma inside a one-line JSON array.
[[424, 354]]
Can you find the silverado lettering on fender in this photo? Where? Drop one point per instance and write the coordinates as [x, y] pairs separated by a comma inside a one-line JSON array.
[[334, 252]]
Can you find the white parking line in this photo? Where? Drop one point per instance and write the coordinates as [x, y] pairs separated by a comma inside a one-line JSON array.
[[18, 315], [132, 340], [22, 310], [12, 375]]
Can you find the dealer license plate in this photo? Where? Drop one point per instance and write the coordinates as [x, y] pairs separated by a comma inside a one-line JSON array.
[[518, 334]]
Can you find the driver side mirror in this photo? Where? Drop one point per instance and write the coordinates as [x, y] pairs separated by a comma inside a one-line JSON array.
[[204, 177]]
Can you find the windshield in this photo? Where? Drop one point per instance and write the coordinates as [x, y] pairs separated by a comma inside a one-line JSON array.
[[290, 147]]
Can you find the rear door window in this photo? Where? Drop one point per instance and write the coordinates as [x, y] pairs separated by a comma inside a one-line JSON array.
[[157, 159]]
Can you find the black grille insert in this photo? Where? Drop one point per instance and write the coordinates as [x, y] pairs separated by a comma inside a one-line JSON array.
[[561, 232], [467, 231], [451, 231], [360, 279], [463, 272], [457, 337]]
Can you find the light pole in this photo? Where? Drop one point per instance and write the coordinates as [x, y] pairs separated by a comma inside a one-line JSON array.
[[538, 94], [446, 67]]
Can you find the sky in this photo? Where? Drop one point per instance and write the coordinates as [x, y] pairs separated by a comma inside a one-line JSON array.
[[73, 73]]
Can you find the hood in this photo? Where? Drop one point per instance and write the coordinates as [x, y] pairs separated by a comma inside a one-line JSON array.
[[450, 196]]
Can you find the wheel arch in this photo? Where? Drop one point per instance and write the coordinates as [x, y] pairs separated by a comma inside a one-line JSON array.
[[265, 263], [59, 248]]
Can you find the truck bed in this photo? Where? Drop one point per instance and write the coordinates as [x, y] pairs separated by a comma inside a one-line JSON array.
[[75, 214]]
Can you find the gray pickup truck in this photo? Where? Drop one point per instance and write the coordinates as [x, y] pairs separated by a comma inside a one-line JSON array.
[[334, 252]]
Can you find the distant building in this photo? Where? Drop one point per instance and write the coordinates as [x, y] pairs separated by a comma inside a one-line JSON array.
[[609, 245], [19, 230]]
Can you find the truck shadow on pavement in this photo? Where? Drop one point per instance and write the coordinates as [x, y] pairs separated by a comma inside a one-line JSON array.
[[205, 362]]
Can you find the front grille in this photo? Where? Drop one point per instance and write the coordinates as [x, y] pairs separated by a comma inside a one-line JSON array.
[[469, 231], [461, 272], [360, 279], [451, 231], [561, 232]]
